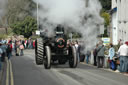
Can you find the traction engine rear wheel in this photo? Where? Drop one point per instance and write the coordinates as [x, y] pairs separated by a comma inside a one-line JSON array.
[[39, 51]]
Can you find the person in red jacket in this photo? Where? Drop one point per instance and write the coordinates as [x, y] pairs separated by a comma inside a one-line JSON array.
[[33, 43]]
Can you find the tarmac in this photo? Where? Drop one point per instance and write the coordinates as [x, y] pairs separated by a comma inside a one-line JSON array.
[[1, 72], [4, 67]]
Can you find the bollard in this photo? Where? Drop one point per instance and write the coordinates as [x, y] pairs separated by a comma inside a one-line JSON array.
[[92, 58], [106, 63]]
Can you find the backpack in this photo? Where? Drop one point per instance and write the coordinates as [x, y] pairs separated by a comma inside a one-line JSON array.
[[9, 49]]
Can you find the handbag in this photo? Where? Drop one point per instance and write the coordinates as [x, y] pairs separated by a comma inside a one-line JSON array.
[[21, 47], [109, 61], [118, 62]]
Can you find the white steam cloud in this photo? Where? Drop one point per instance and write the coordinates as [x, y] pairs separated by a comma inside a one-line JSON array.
[[82, 16]]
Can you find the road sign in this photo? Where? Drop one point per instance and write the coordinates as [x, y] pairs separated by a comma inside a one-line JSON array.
[[106, 41]]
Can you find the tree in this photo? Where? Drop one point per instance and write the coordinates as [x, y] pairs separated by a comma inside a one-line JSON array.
[[106, 17], [25, 27], [17, 10], [106, 4]]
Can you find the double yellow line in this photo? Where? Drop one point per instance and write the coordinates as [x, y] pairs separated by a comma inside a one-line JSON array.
[[9, 73]]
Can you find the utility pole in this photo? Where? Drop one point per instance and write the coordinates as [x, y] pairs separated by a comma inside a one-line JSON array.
[[37, 15], [70, 36]]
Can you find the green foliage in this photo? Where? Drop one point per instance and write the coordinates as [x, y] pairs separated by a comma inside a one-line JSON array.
[[105, 33], [26, 27], [106, 4], [3, 36], [17, 10], [106, 17], [116, 47]]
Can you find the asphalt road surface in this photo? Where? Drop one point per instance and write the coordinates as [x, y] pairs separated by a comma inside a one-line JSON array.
[[22, 70]]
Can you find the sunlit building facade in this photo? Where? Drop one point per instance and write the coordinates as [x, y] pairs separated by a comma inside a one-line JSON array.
[[119, 21]]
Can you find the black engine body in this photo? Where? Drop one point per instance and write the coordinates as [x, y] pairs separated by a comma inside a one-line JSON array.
[[58, 45]]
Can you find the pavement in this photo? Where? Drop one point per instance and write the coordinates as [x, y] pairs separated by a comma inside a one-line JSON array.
[[107, 69], [22, 70]]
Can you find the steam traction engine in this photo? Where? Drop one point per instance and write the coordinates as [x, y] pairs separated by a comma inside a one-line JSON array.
[[50, 49]]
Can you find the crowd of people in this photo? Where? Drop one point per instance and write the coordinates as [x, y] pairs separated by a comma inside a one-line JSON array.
[[20, 45], [5, 50], [117, 60], [16, 46]]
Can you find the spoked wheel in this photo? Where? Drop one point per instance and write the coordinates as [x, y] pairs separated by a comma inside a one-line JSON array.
[[73, 58], [39, 51], [47, 58]]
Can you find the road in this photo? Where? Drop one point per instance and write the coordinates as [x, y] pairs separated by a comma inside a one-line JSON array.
[[22, 70]]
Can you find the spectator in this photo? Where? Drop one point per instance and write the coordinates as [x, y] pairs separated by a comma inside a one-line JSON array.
[[3, 47], [10, 43], [82, 54], [30, 44], [126, 61], [95, 54], [120, 42], [13, 46], [123, 54], [111, 55], [22, 42], [25, 43], [33, 44], [88, 54], [9, 50], [21, 50], [100, 55], [17, 48], [1, 51], [77, 46]]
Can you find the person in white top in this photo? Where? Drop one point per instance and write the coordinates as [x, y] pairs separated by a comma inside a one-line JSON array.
[[77, 50], [123, 52]]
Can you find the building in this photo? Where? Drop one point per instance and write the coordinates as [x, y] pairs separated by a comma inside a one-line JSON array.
[[119, 21]]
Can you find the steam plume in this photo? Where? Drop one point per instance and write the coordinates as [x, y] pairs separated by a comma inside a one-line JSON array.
[[82, 16]]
